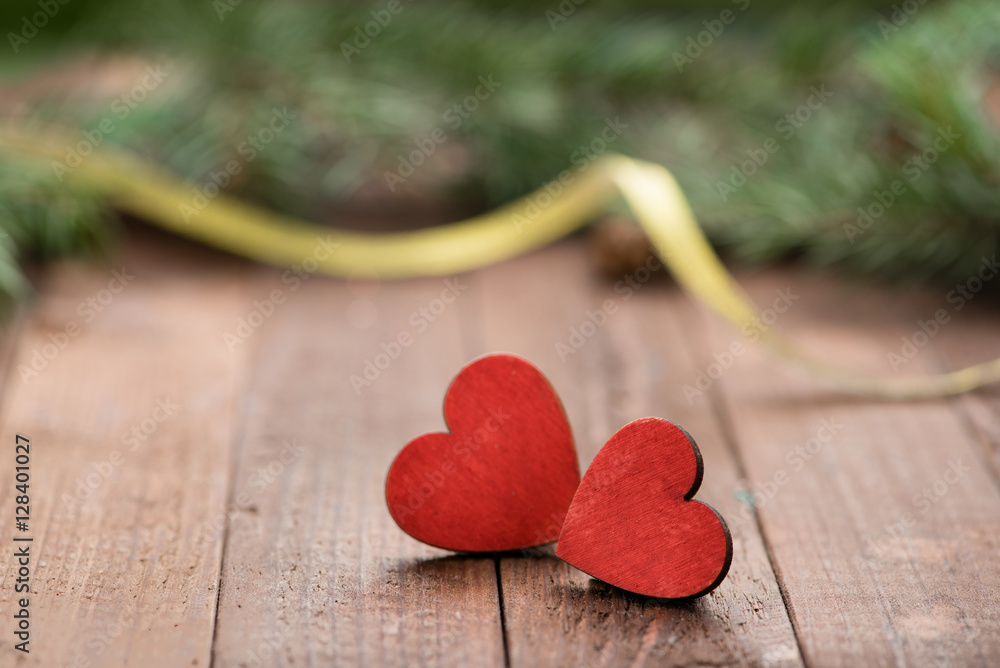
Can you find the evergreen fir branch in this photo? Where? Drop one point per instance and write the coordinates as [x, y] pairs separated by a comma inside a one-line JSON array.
[[354, 116]]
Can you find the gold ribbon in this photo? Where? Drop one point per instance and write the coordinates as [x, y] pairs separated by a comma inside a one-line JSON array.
[[148, 192]]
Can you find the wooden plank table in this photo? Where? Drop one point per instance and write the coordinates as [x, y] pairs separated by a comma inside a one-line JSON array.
[[207, 480]]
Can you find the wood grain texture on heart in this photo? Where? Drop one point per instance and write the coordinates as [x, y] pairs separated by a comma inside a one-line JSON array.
[[633, 524], [503, 477]]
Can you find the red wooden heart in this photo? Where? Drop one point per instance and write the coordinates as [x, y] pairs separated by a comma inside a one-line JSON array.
[[503, 477], [632, 523]]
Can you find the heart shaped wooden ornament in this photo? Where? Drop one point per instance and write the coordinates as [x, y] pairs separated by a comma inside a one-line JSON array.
[[633, 524], [503, 477]]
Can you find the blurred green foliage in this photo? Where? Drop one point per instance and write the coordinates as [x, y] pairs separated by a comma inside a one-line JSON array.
[[894, 82]]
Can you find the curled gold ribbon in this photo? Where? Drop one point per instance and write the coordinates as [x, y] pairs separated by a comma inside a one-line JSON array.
[[150, 193]]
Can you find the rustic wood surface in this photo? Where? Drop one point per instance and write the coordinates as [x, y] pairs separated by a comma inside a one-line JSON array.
[[211, 493]]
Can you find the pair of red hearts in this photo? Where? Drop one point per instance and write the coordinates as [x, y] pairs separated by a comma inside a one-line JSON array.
[[506, 477]]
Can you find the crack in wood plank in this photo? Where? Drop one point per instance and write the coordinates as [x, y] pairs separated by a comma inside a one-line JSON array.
[[314, 555], [556, 616], [878, 569]]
